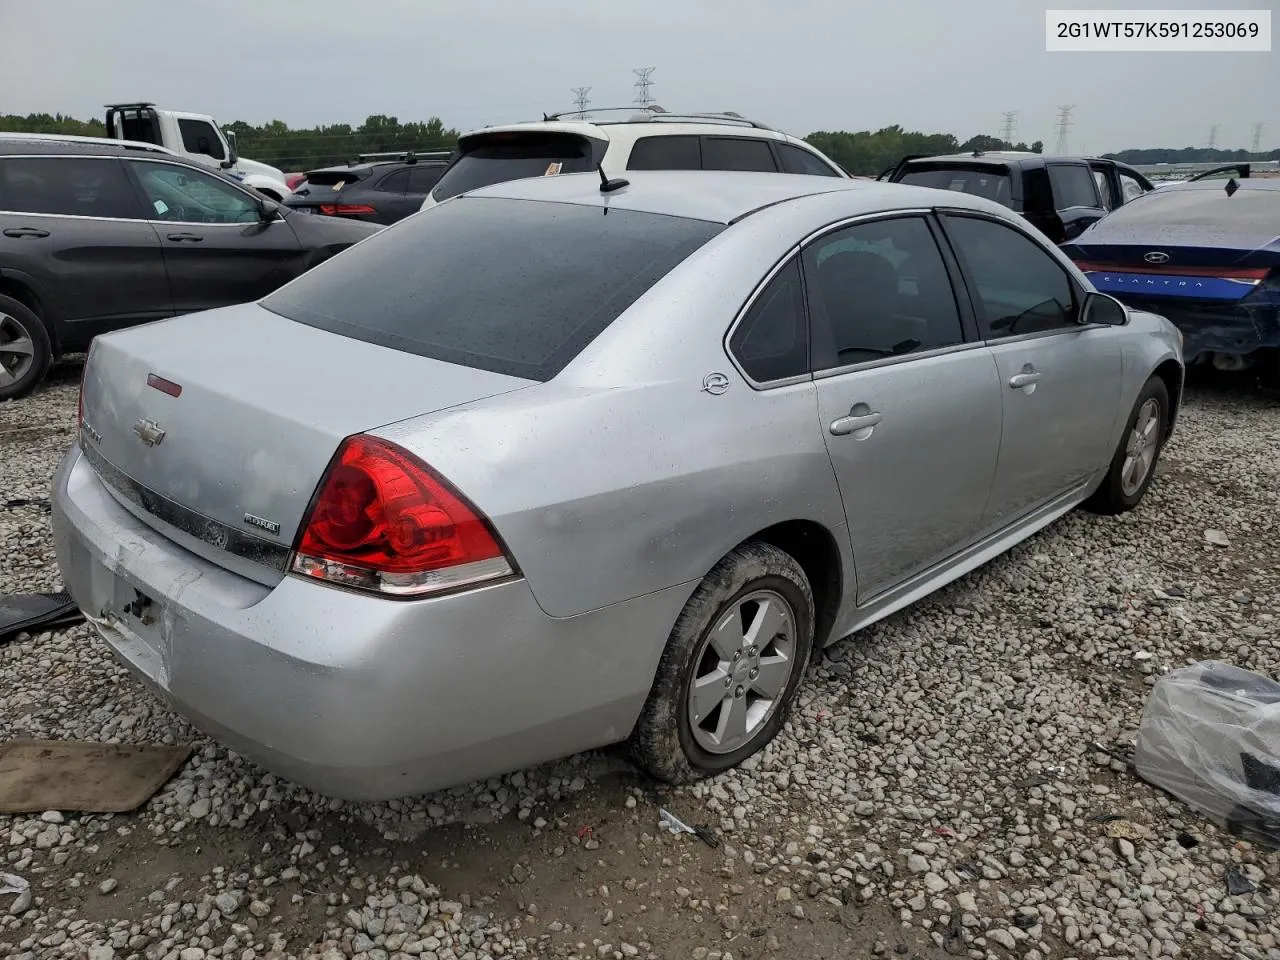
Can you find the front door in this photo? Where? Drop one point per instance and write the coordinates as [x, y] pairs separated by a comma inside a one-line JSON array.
[[217, 249], [74, 227], [1060, 381], [908, 403]]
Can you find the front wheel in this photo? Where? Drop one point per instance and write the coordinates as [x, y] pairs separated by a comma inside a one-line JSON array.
[[731, 668], [1134, 464]]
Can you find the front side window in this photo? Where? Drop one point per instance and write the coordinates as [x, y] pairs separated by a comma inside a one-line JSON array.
[[198, 136], [879, 289], [1018, 285], [515, 287], [183, 195], [772, 340], [67, 186]]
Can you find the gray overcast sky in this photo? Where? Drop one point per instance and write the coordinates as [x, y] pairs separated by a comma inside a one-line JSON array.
[[931, 65]]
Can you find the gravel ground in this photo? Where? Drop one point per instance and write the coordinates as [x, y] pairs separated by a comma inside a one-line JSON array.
[[937, 793]]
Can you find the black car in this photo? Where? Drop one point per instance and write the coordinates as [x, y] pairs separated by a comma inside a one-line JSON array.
[[1061, 196], [96, 235], [371, 189]]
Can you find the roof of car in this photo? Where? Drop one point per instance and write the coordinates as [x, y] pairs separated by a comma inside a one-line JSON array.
[[643, 124], [724, 197], [1012, 157], [52, 143]]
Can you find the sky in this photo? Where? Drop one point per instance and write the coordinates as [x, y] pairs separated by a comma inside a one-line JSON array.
[[932, 65]]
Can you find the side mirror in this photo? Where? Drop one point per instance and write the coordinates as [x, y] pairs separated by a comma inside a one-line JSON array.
[[233, 153], [1103, 310], [268, 210]]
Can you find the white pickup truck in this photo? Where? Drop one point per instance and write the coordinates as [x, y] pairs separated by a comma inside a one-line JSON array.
[[196, 136]]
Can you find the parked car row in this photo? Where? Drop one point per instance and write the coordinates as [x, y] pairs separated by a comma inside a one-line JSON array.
[[97, 234]]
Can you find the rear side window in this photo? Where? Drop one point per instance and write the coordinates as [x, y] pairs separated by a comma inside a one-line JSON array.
[[422, 179], [731, 153], [515, 287], [497, 158], [665, 153], [990, 182], [772, 341], [67, 186], [1072, 185], [798, 160], [395, 182]]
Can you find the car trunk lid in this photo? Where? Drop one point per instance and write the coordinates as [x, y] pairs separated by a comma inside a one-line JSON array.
[[216, 428]]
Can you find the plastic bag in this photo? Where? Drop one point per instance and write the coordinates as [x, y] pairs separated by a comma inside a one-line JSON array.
[[1210, 735]]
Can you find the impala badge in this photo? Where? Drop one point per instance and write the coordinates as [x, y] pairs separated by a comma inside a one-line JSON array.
[[148, 432]]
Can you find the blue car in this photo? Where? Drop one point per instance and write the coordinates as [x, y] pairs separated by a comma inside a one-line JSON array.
[[1203, 253]]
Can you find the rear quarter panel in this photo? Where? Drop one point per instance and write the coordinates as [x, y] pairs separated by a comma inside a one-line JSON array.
[[623, 476]]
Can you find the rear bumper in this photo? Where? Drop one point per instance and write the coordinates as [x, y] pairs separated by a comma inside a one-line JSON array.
[[1215, 326], [352, 696]]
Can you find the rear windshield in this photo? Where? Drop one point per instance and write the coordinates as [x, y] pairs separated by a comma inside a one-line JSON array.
[[1203, 206], [994, 184], [499, 157], [516, 287]]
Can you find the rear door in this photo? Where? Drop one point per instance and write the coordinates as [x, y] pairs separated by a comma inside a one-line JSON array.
[[217, 249], [738, 153], [1075, 196], [1060, 381], [73, 226], [422, 178], [387, 192], [908, 400]]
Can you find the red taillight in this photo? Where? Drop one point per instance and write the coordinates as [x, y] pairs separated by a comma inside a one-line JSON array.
[[382, 520], [345, 209]]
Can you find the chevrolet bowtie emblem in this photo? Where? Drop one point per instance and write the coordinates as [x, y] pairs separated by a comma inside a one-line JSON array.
[[148, 432]]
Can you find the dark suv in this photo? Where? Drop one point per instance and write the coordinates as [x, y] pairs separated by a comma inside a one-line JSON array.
[[1061, 196], [371, 189], [100, 234]]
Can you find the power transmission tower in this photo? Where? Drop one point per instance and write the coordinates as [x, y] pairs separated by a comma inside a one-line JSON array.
[[1213, 136], [642, 85], [1008, 127], [580, 98], [1257, 137], [1064, 124]]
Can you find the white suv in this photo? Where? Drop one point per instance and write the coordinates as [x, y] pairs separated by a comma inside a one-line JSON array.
[[650, 139]]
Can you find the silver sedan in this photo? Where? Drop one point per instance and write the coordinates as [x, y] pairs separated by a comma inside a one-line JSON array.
[[564, 462]]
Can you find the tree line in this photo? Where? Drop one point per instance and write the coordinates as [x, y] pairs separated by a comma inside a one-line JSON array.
[[864, 152]]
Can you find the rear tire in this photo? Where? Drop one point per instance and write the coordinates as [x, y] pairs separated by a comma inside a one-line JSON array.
[[1134, 464], [25, 350], [741, 645]]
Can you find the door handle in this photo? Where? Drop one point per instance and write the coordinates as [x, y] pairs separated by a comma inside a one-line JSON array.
[[846, 425], [1024, 379], [179, 237], [25, 232]]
